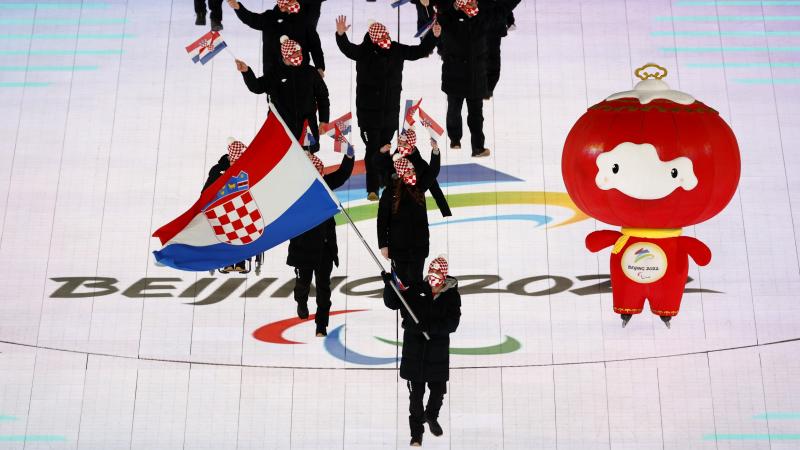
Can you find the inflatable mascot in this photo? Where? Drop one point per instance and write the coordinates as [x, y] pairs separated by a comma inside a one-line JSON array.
[[651, 160]]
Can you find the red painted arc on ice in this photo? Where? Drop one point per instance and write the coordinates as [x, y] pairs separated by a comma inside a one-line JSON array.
[[273, 332]]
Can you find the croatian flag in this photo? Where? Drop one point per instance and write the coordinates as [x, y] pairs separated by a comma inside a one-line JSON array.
[[206, 47], [271, 194], [337, 129], [428, 122], [307, 137], [397, 282], [408, 116]]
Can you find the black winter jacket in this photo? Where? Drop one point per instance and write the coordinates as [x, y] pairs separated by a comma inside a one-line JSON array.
[[406, 232], [273, 24], [219, 168], [298, 93], [384, 165], [379, 77], [307, 250], [463, 46], [427, 360]]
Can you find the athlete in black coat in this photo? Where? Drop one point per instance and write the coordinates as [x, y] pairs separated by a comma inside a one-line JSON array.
[[402, 223], [298, 94], [379, 82], [274, 23], [438, 308], [464, 53], [315, 252]]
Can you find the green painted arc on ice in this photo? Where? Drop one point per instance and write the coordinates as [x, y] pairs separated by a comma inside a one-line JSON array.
[[507, 346]]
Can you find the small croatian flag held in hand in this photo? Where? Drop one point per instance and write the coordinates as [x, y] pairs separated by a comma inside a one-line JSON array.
[[307, 138], [205, 48]]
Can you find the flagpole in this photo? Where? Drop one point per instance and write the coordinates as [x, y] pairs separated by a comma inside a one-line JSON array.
[[375, 258]]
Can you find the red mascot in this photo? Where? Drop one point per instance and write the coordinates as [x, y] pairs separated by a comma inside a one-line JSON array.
[[651, 160]]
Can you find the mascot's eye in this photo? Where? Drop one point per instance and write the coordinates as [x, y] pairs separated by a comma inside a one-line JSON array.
[[615, 168], [674, 173]]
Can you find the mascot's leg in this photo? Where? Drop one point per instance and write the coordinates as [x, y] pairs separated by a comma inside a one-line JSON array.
[[628, 297], [665, 300]]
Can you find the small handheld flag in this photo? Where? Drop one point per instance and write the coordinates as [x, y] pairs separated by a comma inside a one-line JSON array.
[[408, 116], [399, 3], [337, 129], [205, 48], [307, 138], [425, 28], [430, 124]]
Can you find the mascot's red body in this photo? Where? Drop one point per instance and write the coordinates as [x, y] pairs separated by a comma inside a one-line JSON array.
[[652, 161]]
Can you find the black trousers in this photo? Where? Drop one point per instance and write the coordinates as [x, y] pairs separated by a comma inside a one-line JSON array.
[[493, 62], [474, 120], [409, 271], [416, 413], [313, 10], [374, 139], [322, 280], [214, 5]]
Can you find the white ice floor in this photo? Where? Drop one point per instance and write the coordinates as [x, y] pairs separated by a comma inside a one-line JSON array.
[[107, 131]]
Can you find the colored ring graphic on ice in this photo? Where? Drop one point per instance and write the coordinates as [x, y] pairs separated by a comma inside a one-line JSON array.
[[507, 346], [559, 199], [273, 332]]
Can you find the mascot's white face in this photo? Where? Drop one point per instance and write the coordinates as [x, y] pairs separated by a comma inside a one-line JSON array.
[[636, 171]]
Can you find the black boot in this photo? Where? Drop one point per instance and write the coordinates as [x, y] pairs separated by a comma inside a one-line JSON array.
[[666, 320], [434, 426], [200, 20], [216, 25], [625, 319], [302, 310], [321, 331], [416, 441]]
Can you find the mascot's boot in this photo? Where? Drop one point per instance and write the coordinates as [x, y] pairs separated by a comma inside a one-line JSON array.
[[625, 319], [666, 320]]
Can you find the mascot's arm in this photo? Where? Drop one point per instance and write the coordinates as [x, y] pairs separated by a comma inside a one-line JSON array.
[[699, 252], [598, 240]]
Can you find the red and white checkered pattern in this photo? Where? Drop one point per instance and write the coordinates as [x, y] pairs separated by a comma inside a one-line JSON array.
[[235, 150], [316, 162], [437, 271], [291, 51], [463, 5], [405, 170], [380, 35], [291, 6], [237, 221]]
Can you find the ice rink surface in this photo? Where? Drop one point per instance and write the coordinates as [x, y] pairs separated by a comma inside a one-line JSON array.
[[107, 131]]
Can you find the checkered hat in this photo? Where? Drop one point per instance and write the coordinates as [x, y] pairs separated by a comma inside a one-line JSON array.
[[437, 271], [468, 10], [379, 35], [292, 5], [235, 149], [288, 48], [405, 170], [317, 162]]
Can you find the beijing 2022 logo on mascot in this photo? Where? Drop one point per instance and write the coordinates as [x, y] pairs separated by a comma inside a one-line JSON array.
[[651, 160]]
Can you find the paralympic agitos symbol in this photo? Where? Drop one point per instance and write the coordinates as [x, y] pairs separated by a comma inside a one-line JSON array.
[[273, 333]]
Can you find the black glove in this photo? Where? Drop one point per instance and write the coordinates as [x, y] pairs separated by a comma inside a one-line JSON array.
[[387, 278]]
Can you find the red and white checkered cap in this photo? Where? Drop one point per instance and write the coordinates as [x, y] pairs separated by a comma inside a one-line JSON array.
[[293, 6], [463, 5], [405, 170], [379, 35], [437, 271], [288, 47], [410, 136], [235, 149], [317, 162]]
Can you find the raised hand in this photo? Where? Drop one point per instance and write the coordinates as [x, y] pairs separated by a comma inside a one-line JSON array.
[[233, 4], [434, 145], [242, 66], [341, 25]]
